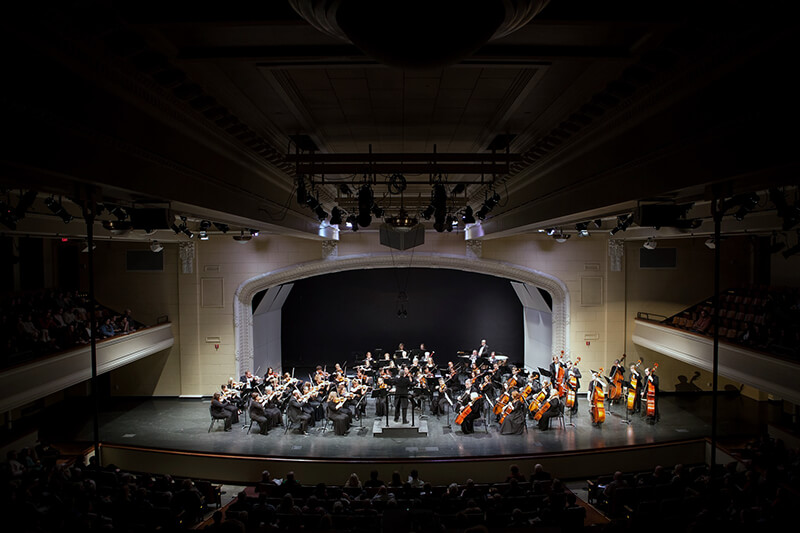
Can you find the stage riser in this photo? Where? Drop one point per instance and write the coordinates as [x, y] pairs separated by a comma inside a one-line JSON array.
[[245, 469]]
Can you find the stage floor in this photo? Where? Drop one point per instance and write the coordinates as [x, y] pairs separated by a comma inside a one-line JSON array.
[[182, 424]]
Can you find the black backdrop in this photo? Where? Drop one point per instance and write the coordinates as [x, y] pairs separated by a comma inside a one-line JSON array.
[[333, 317]]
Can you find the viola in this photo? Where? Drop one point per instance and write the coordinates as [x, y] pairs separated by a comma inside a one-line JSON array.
[[598, 402], [466, 410], [632, 389], [615, 392], [651, 394]]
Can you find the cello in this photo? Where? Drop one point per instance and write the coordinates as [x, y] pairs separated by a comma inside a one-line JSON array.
[[615, 391], [466, 410], [651, 394], [501, 403], [573, 388], [598, 401], [632, 389], [536, 402], [560, 378], [543, 409]]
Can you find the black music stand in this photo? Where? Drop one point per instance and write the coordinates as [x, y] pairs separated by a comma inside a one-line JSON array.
[[378, 394], [627, 386]]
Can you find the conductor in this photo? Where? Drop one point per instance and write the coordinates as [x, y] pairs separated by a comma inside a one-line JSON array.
[[402, 384]]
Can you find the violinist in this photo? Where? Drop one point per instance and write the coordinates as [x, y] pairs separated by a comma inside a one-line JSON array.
[[487, 387], [381, 404], [257, 414], [333, 410], [269, 374], [250, 381], [442, 399], [513, 415], [313, 405], [295, 411], [271, 401]]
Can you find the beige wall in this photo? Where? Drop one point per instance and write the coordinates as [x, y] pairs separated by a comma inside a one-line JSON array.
[[201, 303], [149, 295]]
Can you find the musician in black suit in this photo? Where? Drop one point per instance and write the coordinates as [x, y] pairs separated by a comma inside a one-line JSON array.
[[219, 412], [271, 408], [402, 383], [257, 414], [637, 392], [651, 378], [250, 381], [296, 413], [574, 383], [483, 350]]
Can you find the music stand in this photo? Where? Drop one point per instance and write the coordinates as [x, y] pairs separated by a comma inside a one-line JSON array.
[[627, 420], [382, 393]]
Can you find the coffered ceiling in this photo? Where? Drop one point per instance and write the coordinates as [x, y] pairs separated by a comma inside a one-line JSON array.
[[204, 107]]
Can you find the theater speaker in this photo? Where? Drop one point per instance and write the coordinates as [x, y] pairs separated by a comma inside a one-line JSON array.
[[150, 219], [402, 238]]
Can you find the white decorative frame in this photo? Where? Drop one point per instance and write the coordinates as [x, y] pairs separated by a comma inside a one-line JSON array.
[[243, 298]]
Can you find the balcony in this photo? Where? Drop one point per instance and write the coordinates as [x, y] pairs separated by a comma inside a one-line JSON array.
[[27, 382]]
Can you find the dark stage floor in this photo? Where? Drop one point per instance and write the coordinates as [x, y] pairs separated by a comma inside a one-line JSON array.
[[182, 424]]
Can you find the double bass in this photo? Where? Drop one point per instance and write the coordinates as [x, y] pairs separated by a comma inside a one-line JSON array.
[[572, 390], [615, 391], [598, 401], [560, 376], [631, 401], [466, 410], [651, 394]]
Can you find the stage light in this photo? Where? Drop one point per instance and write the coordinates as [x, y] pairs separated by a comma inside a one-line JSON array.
[[377, 211], [174, 227], [428, 212], [204, 226], [188, 232], [253, 232], [449, 222], [56, 207], [583, 229], [468, 217], [25, 202], [561, 237], [321, 213], [242, 238], [598, 222], [749, 202], [623, 221], [336, 216], [352, 222], [650, 244], [155, 247], [550, 231], [119, 212], [488, 205], [711, 243], [222, 227]]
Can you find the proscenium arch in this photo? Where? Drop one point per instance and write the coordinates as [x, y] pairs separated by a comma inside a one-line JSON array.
[[243, 298]]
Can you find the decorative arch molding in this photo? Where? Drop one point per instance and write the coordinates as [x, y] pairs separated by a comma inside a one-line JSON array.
[[243, 298]]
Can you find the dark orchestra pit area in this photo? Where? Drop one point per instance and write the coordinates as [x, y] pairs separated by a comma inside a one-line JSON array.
[[182, 424]]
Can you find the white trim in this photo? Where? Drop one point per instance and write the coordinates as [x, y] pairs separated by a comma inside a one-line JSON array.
[[243, 297]]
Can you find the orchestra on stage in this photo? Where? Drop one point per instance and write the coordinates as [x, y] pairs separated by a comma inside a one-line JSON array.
[[480, 385]]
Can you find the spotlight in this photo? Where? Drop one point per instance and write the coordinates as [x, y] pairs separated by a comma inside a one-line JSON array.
[[119, 212], [623, 221], [488, 205], [204, 226], [598, 222], [377, 211], [749, 202], [242, 238], [468, 217], [25, 202], [562, 237], [222, 227], [321, 213], [253, 232], [711, 243], [450, 221], [187, 232], [155, 247], [650, 244], [336, 216], [352, 222], [174, 227], [365, 201], [583, 229], [550, 231], [56, 207], [203, 235]]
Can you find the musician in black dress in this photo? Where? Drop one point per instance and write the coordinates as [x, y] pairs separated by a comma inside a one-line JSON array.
[[402, 384], [271, 407], [257, 414], [468, 424], [555, 405], [295, 411], [381, 402], [333, 409], [514, 422], [231, 401], [219, 412], [442, 400]]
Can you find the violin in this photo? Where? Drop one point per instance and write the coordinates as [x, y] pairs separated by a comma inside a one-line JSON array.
[[615, 392], [651, 394], [466, 410], [598, 401], [632, 389]]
